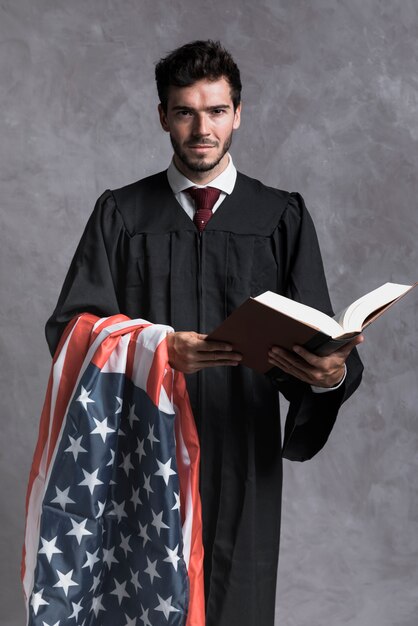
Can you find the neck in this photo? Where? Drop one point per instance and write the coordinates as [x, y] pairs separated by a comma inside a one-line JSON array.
[[202, 178]]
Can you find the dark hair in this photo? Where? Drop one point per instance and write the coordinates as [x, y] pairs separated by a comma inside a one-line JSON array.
[[195, 61]]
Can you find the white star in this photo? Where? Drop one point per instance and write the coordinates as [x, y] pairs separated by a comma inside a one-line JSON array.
[[143, 533], [49, 548], [84, 397], [56, 624], [112, 458], [166, 607], [140, 449], [97, 605], [37, 601], [120, 591], [118, 510], [91, 559], [134, 580], [130, 621], [135, 498], [76, 610], [101, 509], [177, 502], [151, 570], [173, 557], [165, 471], [158, 522], [126, 463], [108, 557], [96, 581], [151, 438], [62, 498], [90, 480], [147, 485], [132, 417], [101, 429], [76, 448], [79, 530], [120, 402], [144, 616], [125, 544], [65, 581]]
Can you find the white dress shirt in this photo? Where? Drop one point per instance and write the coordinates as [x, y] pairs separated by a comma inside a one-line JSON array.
[[226, 183]]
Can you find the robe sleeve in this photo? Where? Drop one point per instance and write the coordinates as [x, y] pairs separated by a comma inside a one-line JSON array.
[[92, 282], [310, 416]]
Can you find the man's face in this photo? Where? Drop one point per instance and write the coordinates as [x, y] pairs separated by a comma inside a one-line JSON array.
[[201, 119]]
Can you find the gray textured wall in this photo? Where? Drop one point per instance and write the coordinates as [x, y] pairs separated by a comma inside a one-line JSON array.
[[330, 110]]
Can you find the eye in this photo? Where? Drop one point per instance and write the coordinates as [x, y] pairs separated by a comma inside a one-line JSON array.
[[218, 111], [184, 113]]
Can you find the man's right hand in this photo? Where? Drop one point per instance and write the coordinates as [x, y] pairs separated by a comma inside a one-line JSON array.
[[188, 352]]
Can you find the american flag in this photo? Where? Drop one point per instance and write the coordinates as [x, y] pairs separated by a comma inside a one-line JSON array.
[[113, 528]]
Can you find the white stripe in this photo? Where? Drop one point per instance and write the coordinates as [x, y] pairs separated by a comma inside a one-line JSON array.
[[148, 342], [116, 363], [188, 505]]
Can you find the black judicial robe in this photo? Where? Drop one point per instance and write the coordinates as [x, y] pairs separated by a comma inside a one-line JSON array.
[[141, 255]]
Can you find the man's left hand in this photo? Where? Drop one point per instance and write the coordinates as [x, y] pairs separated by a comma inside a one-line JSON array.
[[319, 371]]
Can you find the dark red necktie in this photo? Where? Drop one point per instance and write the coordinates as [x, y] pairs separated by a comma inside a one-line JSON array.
[[204, 199]]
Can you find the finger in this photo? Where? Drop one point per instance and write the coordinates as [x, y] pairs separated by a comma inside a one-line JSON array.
[[219, 355], [215, 346]]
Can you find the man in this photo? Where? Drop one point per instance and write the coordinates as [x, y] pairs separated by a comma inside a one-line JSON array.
[[141, 254]]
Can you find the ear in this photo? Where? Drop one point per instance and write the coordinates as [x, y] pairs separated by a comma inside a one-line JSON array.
[[163, 118], [237, 117]]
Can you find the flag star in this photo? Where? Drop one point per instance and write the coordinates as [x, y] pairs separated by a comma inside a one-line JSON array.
[[76, 610], [65, 581], [120, 591], [172, 557], [75, 447], [140, 449], [126, 463], [118, 510], [158, 522], [166, 607], [125, 544], [177, 502], [112, 458], [135, 498], [84, 397], [134, 580], [151, 570], [91, 559], [120, 402], [147, 484], [108, 557], [90, 480], [79, 530], [151, 438], [132, 417], [130, 621], [102, 429], [101, 509], [49, 548], [56, 624], [37, 601], [96, 581], [144, 616], [165, 470], [143, 533], [96, 605], [62, 498]]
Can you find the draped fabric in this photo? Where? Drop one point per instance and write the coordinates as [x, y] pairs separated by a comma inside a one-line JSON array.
[[113, 528], [141, 255]]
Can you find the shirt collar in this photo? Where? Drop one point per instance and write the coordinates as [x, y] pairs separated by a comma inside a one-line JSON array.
[[225, 181]]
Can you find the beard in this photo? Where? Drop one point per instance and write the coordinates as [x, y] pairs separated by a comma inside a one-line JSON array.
[[198, 164]]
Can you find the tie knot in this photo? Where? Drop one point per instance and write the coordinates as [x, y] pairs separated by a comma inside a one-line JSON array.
[[204, 197]]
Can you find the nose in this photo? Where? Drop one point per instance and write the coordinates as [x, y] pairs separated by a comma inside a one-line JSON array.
[[200, 126]]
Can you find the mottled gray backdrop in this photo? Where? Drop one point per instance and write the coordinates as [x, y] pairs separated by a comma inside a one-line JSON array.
[[330, 110]]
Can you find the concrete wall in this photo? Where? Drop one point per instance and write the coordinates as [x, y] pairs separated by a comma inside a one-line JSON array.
[[331, 111]]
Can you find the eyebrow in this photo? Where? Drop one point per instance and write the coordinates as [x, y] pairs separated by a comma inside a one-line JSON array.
[[211, 108]]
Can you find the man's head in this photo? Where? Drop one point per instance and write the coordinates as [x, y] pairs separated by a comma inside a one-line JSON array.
[[200, 92], [198, 60]]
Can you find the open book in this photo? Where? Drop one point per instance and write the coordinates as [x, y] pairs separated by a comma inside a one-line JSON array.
[[271, 319]]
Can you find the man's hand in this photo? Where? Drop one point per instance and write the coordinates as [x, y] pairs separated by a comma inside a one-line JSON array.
[[188, 352], [319, 371]]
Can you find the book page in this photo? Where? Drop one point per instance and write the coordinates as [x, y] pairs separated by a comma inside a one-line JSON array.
[[301, 312]]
